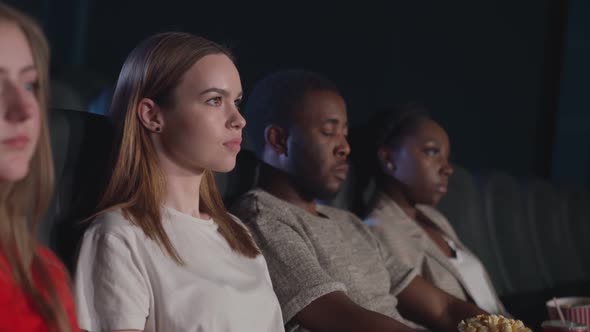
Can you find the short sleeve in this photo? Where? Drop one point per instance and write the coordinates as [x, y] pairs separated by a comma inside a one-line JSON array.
[[297, 276], [396, 242], [400, 273], [111, 288]]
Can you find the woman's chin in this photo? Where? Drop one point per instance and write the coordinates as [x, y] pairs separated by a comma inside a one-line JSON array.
[[13, 173], [224, 167], [435, 200]]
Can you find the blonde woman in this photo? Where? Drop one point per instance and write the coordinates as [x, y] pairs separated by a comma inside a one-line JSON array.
[[163, 254], [34, 290]]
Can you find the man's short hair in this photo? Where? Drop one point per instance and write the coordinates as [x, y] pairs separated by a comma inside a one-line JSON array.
[[275, 98]]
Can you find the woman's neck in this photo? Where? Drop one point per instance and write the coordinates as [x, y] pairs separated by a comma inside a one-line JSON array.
[[183, 182], [395, 192], [182, 194], [182, 188]]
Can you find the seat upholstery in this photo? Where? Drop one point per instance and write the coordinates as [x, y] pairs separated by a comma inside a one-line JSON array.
[[504, 208], [64, 97], [241, 179], [463, 208], [548, 212], [578, 215], [81, 144]]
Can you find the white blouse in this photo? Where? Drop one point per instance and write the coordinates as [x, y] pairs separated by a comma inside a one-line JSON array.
[[475, 279]]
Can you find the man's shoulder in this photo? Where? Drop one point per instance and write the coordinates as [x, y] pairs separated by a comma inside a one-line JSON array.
[[258, 207]]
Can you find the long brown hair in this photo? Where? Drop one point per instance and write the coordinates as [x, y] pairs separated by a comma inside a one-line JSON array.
[[23, 203], [137, 185]]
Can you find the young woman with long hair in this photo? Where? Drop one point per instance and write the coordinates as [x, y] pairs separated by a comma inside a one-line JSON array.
[[163, 254], [34, 285]]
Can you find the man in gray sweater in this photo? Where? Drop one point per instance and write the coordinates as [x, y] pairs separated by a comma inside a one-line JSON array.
[[328, 271]]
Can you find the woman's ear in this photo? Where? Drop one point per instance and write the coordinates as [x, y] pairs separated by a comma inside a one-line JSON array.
[[150, 115], [386, 159], [276, 138]]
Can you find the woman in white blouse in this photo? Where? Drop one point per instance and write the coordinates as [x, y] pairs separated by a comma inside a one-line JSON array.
[[162, 253], [413, 170]]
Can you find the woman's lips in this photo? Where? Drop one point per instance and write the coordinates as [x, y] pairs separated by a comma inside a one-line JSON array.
[[16, 142], [234, 144]]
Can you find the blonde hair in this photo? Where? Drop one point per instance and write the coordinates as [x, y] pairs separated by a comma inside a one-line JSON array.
[[23, 203], [137, 185]]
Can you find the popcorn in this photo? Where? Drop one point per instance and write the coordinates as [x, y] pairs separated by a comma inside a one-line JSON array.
[[491, 323]]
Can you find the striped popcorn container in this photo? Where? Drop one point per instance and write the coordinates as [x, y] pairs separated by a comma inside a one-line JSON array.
[[575, 309]]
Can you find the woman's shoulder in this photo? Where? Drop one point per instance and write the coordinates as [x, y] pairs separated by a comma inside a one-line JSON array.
[[112, 222], [56, 270], [50, 264], [437, 218], [61, 282], [51, 261], [388, 216], [383, 207], [432, 213]]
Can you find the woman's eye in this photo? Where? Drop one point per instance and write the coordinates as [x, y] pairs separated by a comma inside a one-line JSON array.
[[215, 101], [31, 86], [432, 151], [238, 103]]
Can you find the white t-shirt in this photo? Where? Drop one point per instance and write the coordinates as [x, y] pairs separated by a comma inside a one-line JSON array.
[[125, 281]]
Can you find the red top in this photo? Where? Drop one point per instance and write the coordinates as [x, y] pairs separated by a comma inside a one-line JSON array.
[[17, 312]]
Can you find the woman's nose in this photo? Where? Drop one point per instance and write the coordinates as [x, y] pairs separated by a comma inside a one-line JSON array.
[[17, 107], [447, 169], [237, 121]]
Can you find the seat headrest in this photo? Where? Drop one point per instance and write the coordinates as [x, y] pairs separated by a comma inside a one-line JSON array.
[[81, 144], [63, 96]]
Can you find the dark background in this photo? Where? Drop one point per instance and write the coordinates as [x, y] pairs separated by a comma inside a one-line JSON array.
[[507, 78]]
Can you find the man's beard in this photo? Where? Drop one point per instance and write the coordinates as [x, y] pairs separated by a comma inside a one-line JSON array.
[[314, 190]]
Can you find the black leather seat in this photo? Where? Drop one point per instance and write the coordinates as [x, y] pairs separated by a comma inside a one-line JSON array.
[[578, 212], [547, 209], [241, 179], [505, 211], [463, 207], [81, 144]]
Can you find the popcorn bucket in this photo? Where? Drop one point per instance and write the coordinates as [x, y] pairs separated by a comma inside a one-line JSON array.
[[575, 309]]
